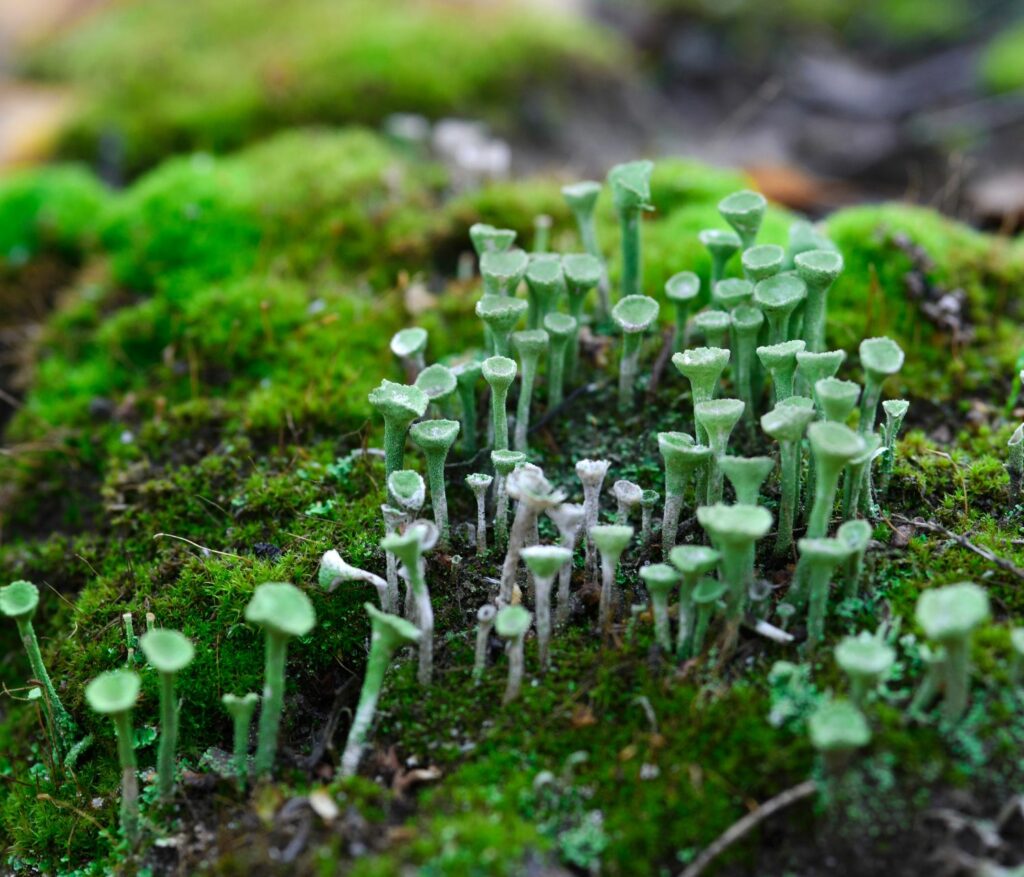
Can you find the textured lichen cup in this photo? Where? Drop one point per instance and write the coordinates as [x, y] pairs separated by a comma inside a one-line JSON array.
[[865, 659], [436, 438], [582, 199], [500, 314], [545, 562], [284, 612], [683, 459], [693, 562], [812, 367], [467, 376], [744, 211], [833, 446], [388, 634], [819, 558], [502, 271], [634, 315], [561, 329], [949, 616], [761, 262], [836, 398], [837, 729], [408, 547], [778, 297], [545, 283], [627, 497], [732, 292], [857, 535], [168, 652], [880, 358], [818, 269], [241, 709], [660, 579], [746, 475], [499, 372], [488, 239], [399, 405], [631, 194], [115, 694], [702, 367], [534, 495], [505, 463], [682, 290], [717, 418], [408, 346], [611, 541], [747, 321], [511, 624], [787, 424], [439, 383], [568, 519], [721, 246], [582, 273], [479, 483], [714, 327], [779, 360], [530, 345]]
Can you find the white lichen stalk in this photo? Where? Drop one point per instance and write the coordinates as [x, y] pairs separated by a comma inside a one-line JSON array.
[[568, 519], [591, 473]]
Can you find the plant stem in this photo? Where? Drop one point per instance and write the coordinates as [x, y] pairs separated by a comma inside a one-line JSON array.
[[273, 702]]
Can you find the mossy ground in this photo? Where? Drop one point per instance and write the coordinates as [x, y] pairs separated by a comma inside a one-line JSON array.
[[204, 377]]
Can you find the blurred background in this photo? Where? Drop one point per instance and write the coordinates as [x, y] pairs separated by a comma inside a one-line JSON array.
[[825, 102]]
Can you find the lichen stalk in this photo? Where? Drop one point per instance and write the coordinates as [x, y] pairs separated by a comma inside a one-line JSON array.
[[273, 702], [129, 777]]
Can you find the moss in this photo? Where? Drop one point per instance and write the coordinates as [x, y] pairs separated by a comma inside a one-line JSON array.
[[1002, 61], [49, 209], [233, 70]]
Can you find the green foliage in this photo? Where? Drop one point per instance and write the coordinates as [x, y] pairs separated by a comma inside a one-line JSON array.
[[1002, 61], [233, 70]]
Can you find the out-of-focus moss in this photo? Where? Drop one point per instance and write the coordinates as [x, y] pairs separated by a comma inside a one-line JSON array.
[[1002, 61], [162, 81], [56, 208]]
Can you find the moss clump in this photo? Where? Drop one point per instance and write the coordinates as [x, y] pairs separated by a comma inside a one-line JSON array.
[[1002, 61], [232, 70], [52, 209]]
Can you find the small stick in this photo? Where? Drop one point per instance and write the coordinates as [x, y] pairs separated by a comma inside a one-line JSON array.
[[963, 542]]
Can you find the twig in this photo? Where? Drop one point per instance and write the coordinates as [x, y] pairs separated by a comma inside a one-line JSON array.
[[197, 545], [963, 542], [748, 823]]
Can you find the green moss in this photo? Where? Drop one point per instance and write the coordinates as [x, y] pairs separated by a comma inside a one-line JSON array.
[[1002, 61], [55, 208], [233, 70]]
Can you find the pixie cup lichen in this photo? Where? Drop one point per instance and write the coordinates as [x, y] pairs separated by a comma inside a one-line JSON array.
[[114, 694], [857, 535], [467, 375], [530, 345], [880, 358], [819, 558], [388, 633], [660, 579], [631, 194], [436, 438], [744, 211], [499, 372], [833, 446], [561, 329], [721, 246], [582, 198], [334, 570], [484, 624], [284, 612], [488, 239], [582, 273], [746, 475], [836, 398], [702, 367], [500, 314], [682, 290], [544, 561], [787, 424], [591, 474], [838, 729], [812, 367], [505, 463], [408, 346], [545, 283], [818, 269], [761, 262], [408, 547], [241, 709], [503, 271], [511, 624], [568, 519], [778, 297], [480, 483], [714, 327], [168, 652], [627, 497], [534, 495], [865, 659], [729, 294], [399, 405], [693, 562], [747, 321], [717, 418], [634, 315], [706, 597], [611, 541], [683, 458]]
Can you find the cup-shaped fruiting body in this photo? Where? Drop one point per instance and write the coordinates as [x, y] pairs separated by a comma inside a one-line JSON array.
[[561, 329], [435, 438], [746, 326], [856, 488], [702, 367], [683, 457], [721, 246], [634, 315], [734, 531], [761, 262], [545, 562], [631, 194], [812, 367], [529, 345], [836, 398], [168, 652], [611, 540], [718, 418], [949, 616], [591, 474], [500, 314], [503, 271], [408, 547], [114, 694], [895, 410], [480, 483], [856, 534], [833, 446], [865, 659], [818, 269], [283, 611], [568, 520], [241, 709], [499, 372], [838, 729], [488, 239], [19, 601], [408, 346], [484, 624], [729, 294], [693, 562], [706, 596], [804, 236], [779, 360], [408, 490], [746, 475], [582, 273], [779, 297], [682, 290], [511, 624], [787, 424], [545, 284], [627, 497], [648, 502], [819, 558], [660, 579], [504, 463], [880, 358], [467, 374], [399, 405], [744, 211], [581, 198], [388, 633], [534, 495], [335, 570], [714, 327]]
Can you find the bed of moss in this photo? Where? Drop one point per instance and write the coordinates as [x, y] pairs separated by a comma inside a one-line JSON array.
[[191, 425], [153, 82]]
